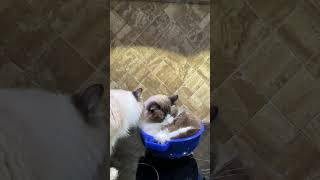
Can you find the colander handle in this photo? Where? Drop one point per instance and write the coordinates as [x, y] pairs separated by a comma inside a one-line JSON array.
[[155, 146]]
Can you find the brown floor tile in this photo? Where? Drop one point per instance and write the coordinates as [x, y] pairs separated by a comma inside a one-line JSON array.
[[55, 69], [315, 175], [155, 31], [62, 15], [136, 16], [200, 10], [221, 131], [300, 32], [11, 76], [199, 37], [312, 130], [313, 65], [152, 10], [270, 67], [280, 145], [3, 58], [129, 82], [259, 169], [81, 23], [298, 100], [5, 4], [297, 160], [87, 33], [273, 11], [25, 36], [231, 46], [175, 40], [238, 101], [222, 8], [184, 15], [270, 130], [204, 70], [116, 23], [154, 86]]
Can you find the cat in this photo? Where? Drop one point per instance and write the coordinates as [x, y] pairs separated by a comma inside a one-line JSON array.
[[47, 135], [125, 111], [164, 121]]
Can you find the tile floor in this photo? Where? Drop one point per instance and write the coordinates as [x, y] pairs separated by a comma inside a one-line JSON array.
[[267, 85], [44, 42]]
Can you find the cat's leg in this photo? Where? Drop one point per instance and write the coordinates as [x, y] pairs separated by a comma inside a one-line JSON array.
[[113, 173], [179, 131], [164, 135]]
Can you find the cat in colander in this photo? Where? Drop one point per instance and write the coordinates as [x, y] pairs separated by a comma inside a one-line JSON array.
[[163, 120]]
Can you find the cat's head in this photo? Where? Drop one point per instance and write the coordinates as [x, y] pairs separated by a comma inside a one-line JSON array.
[[88, 101], [158, 106], [130, 103], [134, 112]]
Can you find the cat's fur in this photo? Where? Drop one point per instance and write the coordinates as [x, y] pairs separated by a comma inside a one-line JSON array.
[[45, 135], [125, 110], [163, 120]]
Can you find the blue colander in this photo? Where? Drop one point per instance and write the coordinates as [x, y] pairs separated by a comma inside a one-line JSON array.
[[173, 149]]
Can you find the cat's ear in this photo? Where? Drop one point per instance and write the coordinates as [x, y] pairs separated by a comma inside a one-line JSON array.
[[88, 99], [137, 93], [173, 99]]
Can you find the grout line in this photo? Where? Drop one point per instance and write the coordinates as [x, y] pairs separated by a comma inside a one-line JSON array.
[[79, 54], [271, 26], [283, 116], [275, 94], [25, 73], [255, 114]]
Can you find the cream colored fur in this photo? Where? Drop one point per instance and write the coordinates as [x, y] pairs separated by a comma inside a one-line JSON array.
[[125, 112]]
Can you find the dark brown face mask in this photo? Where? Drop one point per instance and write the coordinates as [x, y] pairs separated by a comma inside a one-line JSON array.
[[159, 110], [156, 112]]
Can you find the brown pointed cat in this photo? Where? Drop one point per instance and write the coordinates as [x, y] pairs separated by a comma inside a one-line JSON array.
[[163, 120]]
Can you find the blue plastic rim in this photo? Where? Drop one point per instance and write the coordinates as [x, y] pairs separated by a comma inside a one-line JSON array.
[[173, 149]]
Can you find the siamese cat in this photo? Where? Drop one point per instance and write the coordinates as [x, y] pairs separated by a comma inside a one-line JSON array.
[[125, 110], [47, 135], [164, 121]]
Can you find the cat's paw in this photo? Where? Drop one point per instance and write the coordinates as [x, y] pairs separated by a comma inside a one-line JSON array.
[[113, 173], [162, 137]]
